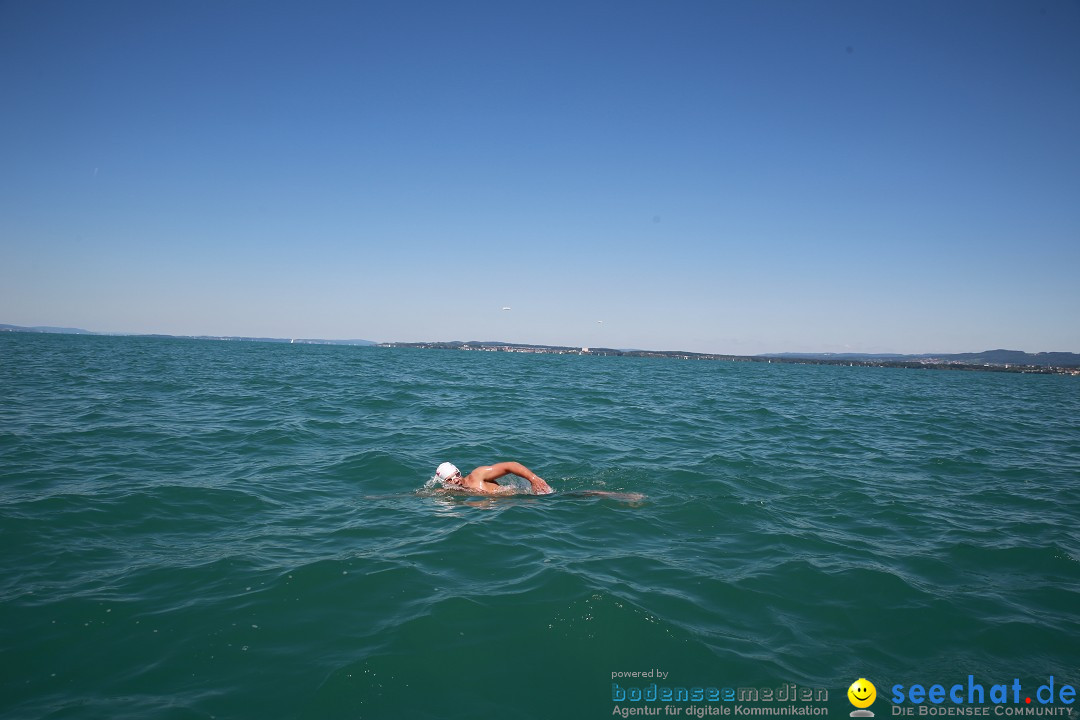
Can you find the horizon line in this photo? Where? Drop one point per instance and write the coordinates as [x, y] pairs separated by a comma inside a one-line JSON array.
[[59, 330]]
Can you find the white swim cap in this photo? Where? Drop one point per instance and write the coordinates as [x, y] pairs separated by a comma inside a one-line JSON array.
[[447, 471]]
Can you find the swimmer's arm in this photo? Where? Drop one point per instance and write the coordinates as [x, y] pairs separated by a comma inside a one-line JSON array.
[[513, 468]]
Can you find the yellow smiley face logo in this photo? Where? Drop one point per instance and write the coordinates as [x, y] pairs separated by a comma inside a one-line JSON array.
[[862, 693]]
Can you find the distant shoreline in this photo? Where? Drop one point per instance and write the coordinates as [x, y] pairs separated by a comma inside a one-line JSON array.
[[965, 361], [235, 338], [1014, 361]]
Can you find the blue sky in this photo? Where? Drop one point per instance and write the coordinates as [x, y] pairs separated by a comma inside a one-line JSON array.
[[737, 177]]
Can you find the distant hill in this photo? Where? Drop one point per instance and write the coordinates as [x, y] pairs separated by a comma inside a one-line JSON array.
[[77, 331], [1019, 357], [987, 357], [44, 329]]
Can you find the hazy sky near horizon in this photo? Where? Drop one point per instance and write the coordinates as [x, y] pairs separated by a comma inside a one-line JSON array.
[[737, 177]]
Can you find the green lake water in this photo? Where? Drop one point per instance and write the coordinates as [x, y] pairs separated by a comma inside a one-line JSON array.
[[200, 529]]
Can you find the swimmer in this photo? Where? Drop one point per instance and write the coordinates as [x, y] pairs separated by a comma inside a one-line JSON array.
[[482, 479]]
